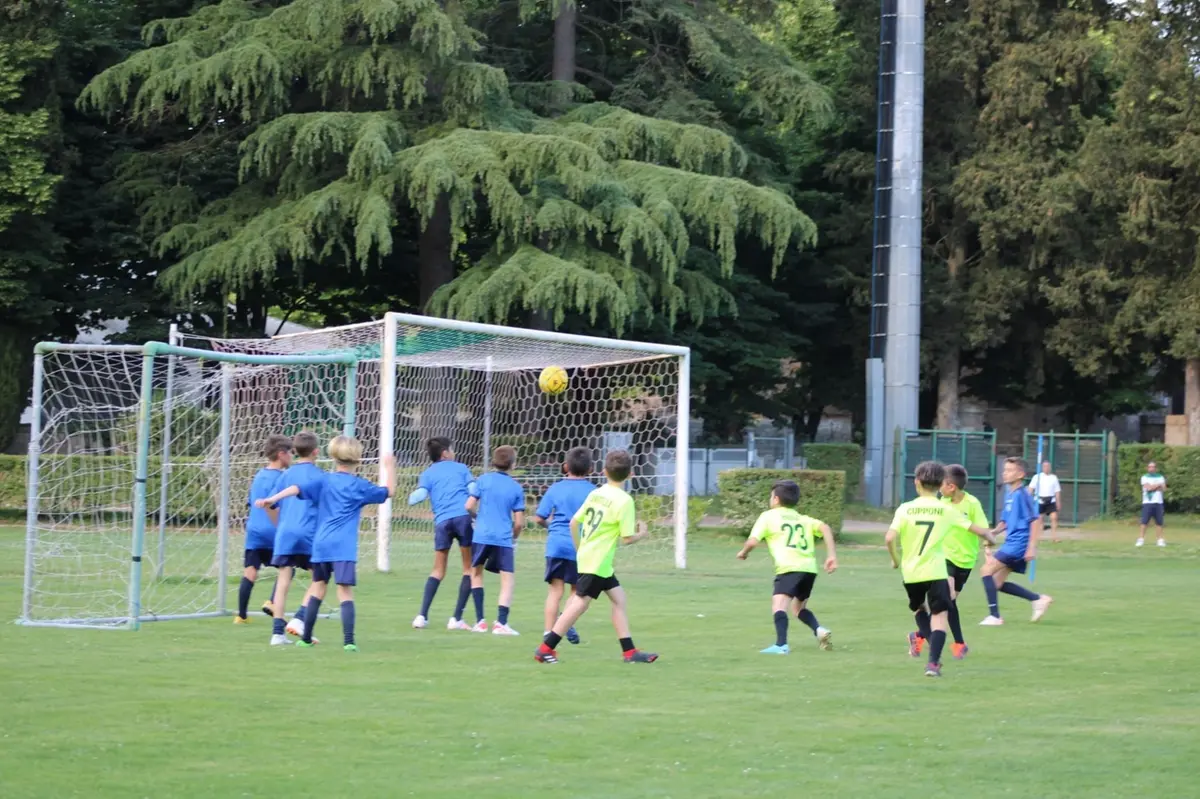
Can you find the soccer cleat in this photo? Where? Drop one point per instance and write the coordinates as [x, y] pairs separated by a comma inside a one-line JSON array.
[[420, 623], [295, 628], [933, 669], [544, 654], [1040, 605], [572, 636], [280, 640], [350, 648], [481, 627], [306, 644], [991, 621], [503, 629], [825, 640], [1141, 542], [268, 609], [1162, 542], [915, 644], [240, 620], [775, 649], [959, 651], [638, 656], [457, 624]]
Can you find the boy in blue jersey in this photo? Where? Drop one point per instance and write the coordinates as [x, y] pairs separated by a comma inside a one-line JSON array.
[[446, 483], [499, 504], [340, 498], [260, 522], [558, 506], [294, 534], [1022, 526]]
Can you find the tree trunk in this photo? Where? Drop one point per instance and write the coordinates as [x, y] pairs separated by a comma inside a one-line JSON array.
[[947, 401], [562, 69], [1191, 400], [433, 251], [439, 387]]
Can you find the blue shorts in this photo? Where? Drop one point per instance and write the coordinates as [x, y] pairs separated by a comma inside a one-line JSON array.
[[343, 572], [295, 561], [257, 558], [563, 569], [1152, 512], [457, 529], [1015, 563], [493, 558]]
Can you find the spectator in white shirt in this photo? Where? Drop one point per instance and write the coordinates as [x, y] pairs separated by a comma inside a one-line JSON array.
[[1046, 488], [1153, 484]]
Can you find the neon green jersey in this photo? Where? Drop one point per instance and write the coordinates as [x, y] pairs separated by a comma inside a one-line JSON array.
[[961, 545], [605, 517], [790, 537], [922, 524]]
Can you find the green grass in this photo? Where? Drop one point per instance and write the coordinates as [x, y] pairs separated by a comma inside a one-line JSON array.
[[1100, 699]]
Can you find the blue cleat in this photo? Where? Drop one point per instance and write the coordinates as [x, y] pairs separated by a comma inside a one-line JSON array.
[[775, 649], [572, 636]]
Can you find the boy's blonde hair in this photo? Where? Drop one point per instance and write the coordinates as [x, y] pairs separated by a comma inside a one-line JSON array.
[[346, 450]]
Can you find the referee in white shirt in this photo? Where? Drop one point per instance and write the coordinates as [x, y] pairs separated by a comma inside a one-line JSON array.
[[1046, 488]]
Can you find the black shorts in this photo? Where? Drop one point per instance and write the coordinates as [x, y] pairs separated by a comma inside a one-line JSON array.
[[257, 558], [958, 575], [591, 585], [1047, 506], [798, 585], [295, 561], [934, 592]]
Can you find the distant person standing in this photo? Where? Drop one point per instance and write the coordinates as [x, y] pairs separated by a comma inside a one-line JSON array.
[[1153, 485], [1046, 488]]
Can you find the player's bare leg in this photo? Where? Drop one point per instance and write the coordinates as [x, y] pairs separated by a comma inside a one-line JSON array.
[[508, 583], [576, 606], [282, 582], [620, 620], [554, 595]]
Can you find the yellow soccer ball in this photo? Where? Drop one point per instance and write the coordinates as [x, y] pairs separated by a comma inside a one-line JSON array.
[[553, 380]]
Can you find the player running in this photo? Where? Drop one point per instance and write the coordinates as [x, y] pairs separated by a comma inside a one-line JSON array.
[[558, 506], [1022, 527]]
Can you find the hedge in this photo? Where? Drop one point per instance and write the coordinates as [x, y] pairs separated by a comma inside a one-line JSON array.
[[1180, 465], [846, 458], [745, 493]]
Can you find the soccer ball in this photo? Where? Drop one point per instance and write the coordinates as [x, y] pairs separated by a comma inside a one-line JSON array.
[[553, 380]]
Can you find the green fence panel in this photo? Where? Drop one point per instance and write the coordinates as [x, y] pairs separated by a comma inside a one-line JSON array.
[[1080, 460], [974, 450]]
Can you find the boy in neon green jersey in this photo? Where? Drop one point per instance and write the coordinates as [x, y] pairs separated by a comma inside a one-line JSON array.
[[605, 519], [920, 527], [962, 546], [790, 538]]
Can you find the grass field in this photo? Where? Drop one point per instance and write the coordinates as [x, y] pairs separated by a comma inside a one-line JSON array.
[[1101, 699]]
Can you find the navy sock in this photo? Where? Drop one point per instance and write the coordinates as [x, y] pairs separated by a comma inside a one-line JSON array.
[[244, 590], [502, 614], [936, 641], [279, 627], [431, 587], [989, 588], [922, 617], [477, 595], [781, 625], [310, 618], [1020, 591], [348, 622], [299, 614], [806, 616], [955, 623], [464, 593]]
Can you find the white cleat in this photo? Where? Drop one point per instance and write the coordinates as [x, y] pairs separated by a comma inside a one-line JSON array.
[[481, 627], [1040, 605], [1141, 542], [503, 629], [457, 624], [992, 621], [280, 640], [1162, 542], [825, 638], [295, 627], [420, 623]]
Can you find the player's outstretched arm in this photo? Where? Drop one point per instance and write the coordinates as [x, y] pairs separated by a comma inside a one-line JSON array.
[[290, 491], [890, 538], [747, 548], [388, 479], [831, 563], [418, 496], [984, 533]]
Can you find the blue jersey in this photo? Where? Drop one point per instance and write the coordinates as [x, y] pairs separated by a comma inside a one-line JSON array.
[[499, 495], [446, 482], [1019, 513], [298, 517], [558, 505], [340, 499], [260, 531]]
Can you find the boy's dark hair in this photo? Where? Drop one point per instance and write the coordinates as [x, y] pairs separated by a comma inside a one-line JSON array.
[[1019, 463], [436, 447], [579, 462], [305, 444], [504, 458], [930, 474], [957, 474], [617, 465], [276, 445], [787, 492]]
